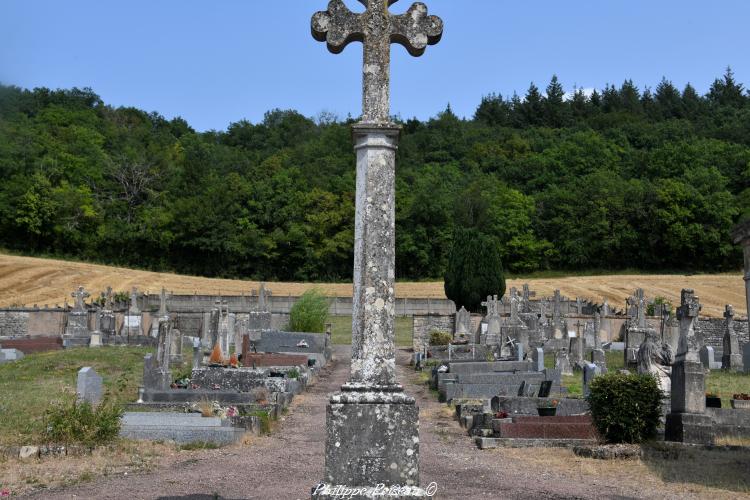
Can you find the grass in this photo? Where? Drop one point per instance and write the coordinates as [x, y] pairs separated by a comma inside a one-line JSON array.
[[342, 330], [29, 386]]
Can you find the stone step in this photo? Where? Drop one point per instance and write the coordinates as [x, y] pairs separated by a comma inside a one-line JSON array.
[[170, 419], [486, 443], [183, 435], [544, 430]]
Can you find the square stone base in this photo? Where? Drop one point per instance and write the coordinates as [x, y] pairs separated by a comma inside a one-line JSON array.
[[689, 428], [372, 443]]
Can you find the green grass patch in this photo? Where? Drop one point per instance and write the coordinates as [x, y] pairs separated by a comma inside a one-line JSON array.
[[727, 384], [265, 420], [342, 330], [32, 385]]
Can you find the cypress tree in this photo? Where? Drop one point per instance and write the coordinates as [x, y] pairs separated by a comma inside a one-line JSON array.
[[475, 269]]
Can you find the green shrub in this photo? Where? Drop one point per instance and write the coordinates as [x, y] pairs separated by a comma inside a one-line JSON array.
[[440, 338], [75, 422], [293, 373], [474, 270], [309, 313], [625, 408]]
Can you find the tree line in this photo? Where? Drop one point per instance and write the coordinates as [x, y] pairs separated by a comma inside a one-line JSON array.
[[617, 178]]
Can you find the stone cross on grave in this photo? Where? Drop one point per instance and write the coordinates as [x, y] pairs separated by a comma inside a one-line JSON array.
[[108, 299], [79, 295], [377, 29], [729, 315], [372, 414], [163, 303], [492, 304]]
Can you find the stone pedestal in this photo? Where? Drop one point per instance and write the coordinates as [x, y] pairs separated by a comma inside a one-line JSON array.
[[373, 438], [687, 422]]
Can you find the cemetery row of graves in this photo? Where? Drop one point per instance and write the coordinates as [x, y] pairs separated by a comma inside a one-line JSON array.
[[523, 373]]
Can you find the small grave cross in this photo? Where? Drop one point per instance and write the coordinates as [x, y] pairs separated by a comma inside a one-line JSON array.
[[377, 29], [80, 295]]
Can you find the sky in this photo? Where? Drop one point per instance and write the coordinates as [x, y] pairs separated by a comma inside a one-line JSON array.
[[220, 61]]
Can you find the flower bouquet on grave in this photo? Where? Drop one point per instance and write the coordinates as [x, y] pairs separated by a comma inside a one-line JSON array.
[[501, 415], [547, 408], [741, 401], [713, 400]]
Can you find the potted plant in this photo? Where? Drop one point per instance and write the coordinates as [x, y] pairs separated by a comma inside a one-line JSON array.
[[547, 408], [741, 401], [713, 400]]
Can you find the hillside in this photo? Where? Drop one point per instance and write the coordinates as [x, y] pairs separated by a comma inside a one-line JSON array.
[[28, 281]]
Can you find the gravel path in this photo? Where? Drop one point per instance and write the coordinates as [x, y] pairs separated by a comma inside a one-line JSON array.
[[288, 463]]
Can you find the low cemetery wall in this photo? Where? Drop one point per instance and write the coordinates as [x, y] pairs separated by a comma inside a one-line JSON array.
[[339, 306], [424, 324], [713, 331]]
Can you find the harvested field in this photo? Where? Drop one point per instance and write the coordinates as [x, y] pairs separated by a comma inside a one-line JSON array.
[[28, 281]]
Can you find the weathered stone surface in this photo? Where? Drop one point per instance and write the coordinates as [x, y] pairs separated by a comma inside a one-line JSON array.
[[376, 28], [372, 444], [746, 358], [590, 371], [689, 428], [690, 341], [688, 388], [89, 386], [537, 356]]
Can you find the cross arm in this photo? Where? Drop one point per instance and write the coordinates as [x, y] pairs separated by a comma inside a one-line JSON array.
[[337, 26], [415, 29]]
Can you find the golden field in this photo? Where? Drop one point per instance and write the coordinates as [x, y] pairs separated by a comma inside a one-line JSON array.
[[28, 281]]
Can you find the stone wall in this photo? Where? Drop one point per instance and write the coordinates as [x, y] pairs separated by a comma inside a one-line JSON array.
[[713, 331], [339, 306], [424, 324], [14, 324]]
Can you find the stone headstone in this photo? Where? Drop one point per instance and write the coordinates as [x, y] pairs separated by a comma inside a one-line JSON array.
[[687, 421], [590, 371], [519, 352], [731, 358], [537, 355], [463, 324], [89, 386], [690, 342], [707, 356], [544, 389], [95, 340], [599, 358], [562, 363], [9, 355]]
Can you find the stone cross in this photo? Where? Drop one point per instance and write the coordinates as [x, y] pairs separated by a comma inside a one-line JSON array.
[[689, 344], [108, 300], [134, 311], [377, 29], [80, 295], [492, 304], [163, 303]]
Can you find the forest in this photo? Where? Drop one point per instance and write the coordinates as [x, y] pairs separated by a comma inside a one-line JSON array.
[[621, 178]]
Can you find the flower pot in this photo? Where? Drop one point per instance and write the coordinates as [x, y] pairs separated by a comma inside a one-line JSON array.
[[741, 404], [712, 402], [547, 412]]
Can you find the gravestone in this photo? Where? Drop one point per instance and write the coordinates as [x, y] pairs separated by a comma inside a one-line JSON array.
[[463, 324], [537, 355], [599, 358], [107, 323], [131, 326], [161, 315], [545, 388], [562, 363], [708, 358], [8, 355], [372, 426], [690, 342], [493, 334], [77, 330], [89, 386], [731, 358], [687, 421], [558, 330], [590, 371], [746, 358]]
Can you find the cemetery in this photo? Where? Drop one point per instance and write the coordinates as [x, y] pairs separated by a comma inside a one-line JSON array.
[[491, 391]]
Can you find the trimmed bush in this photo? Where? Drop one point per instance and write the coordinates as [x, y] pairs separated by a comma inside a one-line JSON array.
[[440, 338], [475, 269], [625, 408], [309, 313], [77, 422]]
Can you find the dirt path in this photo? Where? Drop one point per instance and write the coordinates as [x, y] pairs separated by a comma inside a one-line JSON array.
[[288, 463]]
